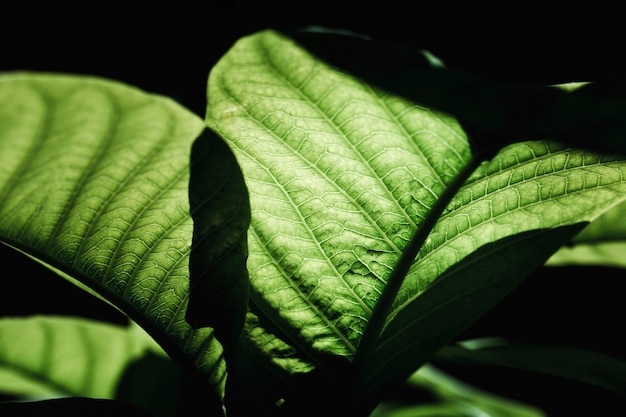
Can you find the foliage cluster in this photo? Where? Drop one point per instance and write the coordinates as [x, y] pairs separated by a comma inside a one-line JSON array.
[[314, 245]]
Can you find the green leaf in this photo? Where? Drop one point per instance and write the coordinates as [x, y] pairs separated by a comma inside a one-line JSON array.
[[94, 184], [337, 183], [601, 243], [341, 174], [563, 361], [460, 399], [50, 357]]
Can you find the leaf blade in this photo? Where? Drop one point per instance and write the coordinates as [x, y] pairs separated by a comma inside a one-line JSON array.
[[95, 185]]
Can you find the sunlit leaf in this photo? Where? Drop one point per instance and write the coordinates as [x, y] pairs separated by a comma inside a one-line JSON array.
[[94, 180], [338, 183], [341, 174]]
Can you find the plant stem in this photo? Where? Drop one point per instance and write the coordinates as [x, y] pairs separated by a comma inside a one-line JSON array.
[[383, 306]]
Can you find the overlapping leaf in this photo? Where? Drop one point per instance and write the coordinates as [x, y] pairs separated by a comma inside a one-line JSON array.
[[341, 174]]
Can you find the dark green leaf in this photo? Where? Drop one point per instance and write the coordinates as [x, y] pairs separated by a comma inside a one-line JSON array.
[[568, 362], [221, 212], [455, 300]]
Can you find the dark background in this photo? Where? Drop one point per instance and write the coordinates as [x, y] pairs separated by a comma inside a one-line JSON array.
[[169, 48]]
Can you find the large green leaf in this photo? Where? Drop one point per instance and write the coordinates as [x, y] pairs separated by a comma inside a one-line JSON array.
[[94, 184], [338, 182], [341, 175]]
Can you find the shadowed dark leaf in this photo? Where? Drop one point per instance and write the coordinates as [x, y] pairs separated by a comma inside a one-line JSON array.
[[221, 212]]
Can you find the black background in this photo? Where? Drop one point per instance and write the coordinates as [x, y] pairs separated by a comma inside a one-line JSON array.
[[169, 48]]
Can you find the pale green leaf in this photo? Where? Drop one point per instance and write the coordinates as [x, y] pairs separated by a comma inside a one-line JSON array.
[[601, 243], [50, 357]]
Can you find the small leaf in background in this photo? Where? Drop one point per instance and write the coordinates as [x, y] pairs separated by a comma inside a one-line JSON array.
[[53, 357], [94, 180], [601, 243], [563, 361]]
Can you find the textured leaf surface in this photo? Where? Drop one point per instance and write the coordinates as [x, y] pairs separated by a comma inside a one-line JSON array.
[[338, 177], [602, 242], [94, 182], [341, 175]]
